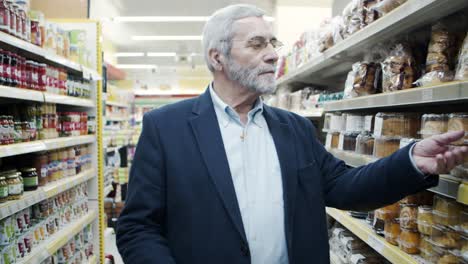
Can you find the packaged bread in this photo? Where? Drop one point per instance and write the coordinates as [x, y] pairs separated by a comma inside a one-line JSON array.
[[409, 216], [385, 6], [349, 141], [392, 231], [385, 146], [446, 237], [446, 212], [424, 220], [457, 122], [425, 248], [396, 124], [409, 241], [398, 69], [366, 78], [370, 14], [388, 212], [365, 143], [442, 255], [433, 124], [461, 72]]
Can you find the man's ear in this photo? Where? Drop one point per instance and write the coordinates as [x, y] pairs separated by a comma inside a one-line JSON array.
[[215, 59]]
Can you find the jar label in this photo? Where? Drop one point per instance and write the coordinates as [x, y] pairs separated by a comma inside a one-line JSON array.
[[44, 172], [15, 189], [4, 192], [30, 181]]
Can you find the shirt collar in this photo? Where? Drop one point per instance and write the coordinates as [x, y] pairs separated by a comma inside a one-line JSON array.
[[226, 113]]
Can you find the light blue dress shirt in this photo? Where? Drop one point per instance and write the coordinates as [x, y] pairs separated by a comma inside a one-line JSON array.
[[256, 174]]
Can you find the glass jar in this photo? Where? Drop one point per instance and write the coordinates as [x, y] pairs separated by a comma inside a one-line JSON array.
[[22, 15], [15, 185], [63, 158], [41, 165], [408, 217], [7, 68], [19, 22], [12, 18], [35, 32], [424, 220], [4, 17], [2, 67], [35, 75], [392, 231], [3, 189], [4, 133], [24, 73], [42, 78], [13, 73], [30, 179]]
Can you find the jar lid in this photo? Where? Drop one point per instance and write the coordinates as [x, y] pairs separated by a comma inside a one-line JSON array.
[[435, 116], [12, 176], [28, 169]]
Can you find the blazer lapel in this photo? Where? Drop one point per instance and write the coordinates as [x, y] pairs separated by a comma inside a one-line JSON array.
[[208, 135], [283, 139]]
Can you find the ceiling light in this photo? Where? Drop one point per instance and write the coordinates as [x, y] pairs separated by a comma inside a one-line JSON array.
[[166, 37], [129, 54], [168, 18], [161, 54], [136, 66]]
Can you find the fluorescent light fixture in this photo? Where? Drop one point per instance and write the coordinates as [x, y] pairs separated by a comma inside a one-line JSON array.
[[136, 66], [168, 18], [161, 54], [166, 37], [129, 54]]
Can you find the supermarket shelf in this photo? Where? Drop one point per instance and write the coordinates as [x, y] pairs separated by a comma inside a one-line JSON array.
[[22, 94], [90, 74], [116, 118], [107, 190], [310, 113], [67, 100], [117, 104], [58, 240], [449, 186], [339, 58], [362, 230], [68, 141], [449, 92], [30, 198]]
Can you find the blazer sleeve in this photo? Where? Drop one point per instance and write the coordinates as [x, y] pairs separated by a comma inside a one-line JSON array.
[[380, 183], [140, 228]]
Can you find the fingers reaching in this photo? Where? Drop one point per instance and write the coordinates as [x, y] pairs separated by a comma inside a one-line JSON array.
[[449, 137], [440, 163], [449, 160]]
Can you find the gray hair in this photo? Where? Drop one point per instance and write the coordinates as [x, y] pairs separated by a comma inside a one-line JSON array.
[[217, 33]]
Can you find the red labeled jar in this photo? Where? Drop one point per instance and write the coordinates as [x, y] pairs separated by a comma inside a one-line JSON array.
[[13, 72], [12, 18], [2, 68], [35, 76], [4, 17], [23, 78], [7, 68], [42, 76], [28, 72], [35, 33], [19, 22]]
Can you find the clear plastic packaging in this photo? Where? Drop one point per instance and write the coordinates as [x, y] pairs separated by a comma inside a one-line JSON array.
[[396, 124], [409, 241], [461, 72], [446, 211], [446, 237], [438, 57], [388, 213], [349, 141], [385, 146], [385, 6], [421, 198], [408, 217], [457, 122], [433, 124], [370, 14], [332, 140], [338, 122], [398, 70], [460, 171], [365, 143], [355, 123], [425, 248], [327, 122], [392, 231], [366, 77], [424, 220], [445, 256]]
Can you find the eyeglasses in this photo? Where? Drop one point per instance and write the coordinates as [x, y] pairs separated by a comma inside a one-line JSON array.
[[260, 43]]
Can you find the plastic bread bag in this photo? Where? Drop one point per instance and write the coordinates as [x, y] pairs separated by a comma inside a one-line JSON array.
[[370, 14], [397, 69], [352, 17], [365, 76], [434, 78], [337, 27], [462, 66], [325, 35], [386, 6], [348, 90], [439, 50]]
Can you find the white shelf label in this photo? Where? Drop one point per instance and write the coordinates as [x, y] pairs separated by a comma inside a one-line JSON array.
[[427, 94], [375, 243]]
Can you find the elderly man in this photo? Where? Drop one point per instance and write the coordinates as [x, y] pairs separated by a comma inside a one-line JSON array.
[[223, 178]]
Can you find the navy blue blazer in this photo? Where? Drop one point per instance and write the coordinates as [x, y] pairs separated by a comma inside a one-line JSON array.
[[181, 205]]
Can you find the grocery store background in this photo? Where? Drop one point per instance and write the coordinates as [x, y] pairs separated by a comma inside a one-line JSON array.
[[77, 76]]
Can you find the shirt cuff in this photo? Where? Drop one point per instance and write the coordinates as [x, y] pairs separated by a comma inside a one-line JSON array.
[[412, 160]]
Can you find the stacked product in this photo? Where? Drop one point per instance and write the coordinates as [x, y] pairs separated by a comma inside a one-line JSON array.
[[22, 232]]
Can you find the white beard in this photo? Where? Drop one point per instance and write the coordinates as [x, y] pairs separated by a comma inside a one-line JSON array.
[[249, 77]]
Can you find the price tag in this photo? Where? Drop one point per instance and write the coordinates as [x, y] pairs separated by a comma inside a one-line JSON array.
[[427, 94], [375, 243]]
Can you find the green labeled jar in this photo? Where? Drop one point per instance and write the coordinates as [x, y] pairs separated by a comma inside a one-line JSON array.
[[15, 185], [30, 179], [3, 189]]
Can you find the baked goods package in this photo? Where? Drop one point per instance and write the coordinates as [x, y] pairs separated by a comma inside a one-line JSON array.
[[385, 6], [462, 66], [353, 17], [330, 33], [398, 69], [370, 14]]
